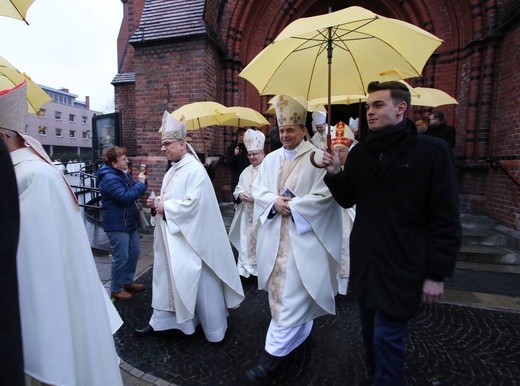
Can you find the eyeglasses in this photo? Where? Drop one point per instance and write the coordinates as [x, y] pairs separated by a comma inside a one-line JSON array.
[[168, 143], [251, 155]]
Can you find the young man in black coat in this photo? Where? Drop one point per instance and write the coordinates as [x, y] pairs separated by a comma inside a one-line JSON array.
[[407, 230]]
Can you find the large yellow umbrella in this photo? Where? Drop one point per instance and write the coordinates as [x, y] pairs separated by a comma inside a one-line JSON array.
[[10, 77], [245, 116], [202, 114], [16, 9], [339, 53], [354, 46]]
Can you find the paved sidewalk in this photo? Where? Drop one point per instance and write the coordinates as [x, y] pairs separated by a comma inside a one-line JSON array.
[[473, 337]]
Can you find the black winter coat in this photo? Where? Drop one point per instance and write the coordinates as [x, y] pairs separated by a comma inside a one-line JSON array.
[[407, 224]]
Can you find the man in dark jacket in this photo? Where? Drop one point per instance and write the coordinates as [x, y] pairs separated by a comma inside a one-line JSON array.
[[407, 229], [236, 158], [440, 129]]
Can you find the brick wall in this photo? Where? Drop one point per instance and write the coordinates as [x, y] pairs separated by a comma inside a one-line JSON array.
[[477, 65]]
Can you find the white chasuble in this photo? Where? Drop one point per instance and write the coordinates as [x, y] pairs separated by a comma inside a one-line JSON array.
[[241, 229], [65, 311], [298, 270], [189, 239]]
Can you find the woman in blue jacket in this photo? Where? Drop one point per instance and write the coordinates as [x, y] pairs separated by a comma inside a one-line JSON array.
[[120, 219]]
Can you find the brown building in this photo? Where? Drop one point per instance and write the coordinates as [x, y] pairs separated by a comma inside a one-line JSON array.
[[173, 52]]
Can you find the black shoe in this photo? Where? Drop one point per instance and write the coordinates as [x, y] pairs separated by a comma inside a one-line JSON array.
[[145, 331], [264, 370]]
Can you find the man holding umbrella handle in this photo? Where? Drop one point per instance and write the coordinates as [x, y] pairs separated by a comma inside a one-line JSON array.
[[407, 230]]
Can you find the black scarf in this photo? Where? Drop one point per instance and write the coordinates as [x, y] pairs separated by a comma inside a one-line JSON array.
[[379, 142]]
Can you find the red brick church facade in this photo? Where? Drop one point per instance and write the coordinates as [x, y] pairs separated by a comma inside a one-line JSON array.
[[173, 52]]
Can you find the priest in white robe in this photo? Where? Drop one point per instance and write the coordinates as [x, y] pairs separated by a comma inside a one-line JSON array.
[[319, 128], [66, 316], [342, 139], [241, 229], [195, 279], [298, 240]]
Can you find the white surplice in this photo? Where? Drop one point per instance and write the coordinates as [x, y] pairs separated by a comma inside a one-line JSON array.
[[241, 229], [194, 274], [347, 216], [66, 316], [297, 269]]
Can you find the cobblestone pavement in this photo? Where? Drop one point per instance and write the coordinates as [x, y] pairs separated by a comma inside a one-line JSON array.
[[447, 345]]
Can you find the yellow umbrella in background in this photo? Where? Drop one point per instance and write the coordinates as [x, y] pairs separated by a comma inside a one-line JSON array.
[[202, 114], [431, 97], [10, 77], [16, 9], [319, 104], [246, 116]]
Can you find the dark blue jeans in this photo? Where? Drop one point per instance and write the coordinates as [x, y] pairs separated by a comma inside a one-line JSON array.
[[125, 248], [383, 337]]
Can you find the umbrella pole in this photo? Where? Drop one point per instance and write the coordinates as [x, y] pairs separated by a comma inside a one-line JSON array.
[[202, 137], [329, 85]]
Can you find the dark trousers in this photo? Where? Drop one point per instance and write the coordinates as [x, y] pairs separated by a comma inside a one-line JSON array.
[[383, 337]]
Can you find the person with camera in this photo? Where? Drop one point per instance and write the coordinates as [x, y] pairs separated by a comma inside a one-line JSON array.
[[119, 193]]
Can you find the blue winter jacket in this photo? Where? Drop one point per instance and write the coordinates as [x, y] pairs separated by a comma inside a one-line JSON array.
[[118, 194]]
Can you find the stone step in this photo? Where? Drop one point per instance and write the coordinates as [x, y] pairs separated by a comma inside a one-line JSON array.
[[488, 254], [477, 221], [483, 237]]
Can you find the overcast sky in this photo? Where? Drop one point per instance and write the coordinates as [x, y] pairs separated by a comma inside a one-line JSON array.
[[68, 43]]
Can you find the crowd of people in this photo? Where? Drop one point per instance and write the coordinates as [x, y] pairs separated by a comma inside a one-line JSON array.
[[379, 220]]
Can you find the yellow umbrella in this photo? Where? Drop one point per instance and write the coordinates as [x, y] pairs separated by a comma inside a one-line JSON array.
[[357, 45], [339, 53], [318, 104], [202, 114], [17, 9], [421, 96], [245, 116], [431, 97], [10, 77]]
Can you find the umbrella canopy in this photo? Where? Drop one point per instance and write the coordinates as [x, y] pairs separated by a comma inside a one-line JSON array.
[[10, 77], [319, 104], [17, 9], [203, 114], [339, 53], [421, 96], [431, 97], [359, 45], [246, 116]]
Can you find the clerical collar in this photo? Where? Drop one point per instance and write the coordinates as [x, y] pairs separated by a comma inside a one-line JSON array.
[[291, 154], [180, 158]]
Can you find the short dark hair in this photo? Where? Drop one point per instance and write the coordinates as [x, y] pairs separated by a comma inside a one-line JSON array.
[[439, 115], [398, 91], [112, 153], [241, 130]]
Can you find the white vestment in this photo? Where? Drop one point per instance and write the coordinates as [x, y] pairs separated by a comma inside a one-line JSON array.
[[241, 229], [66, 316], [297, 269], [319, 140], [194, 273], [347, 216]]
